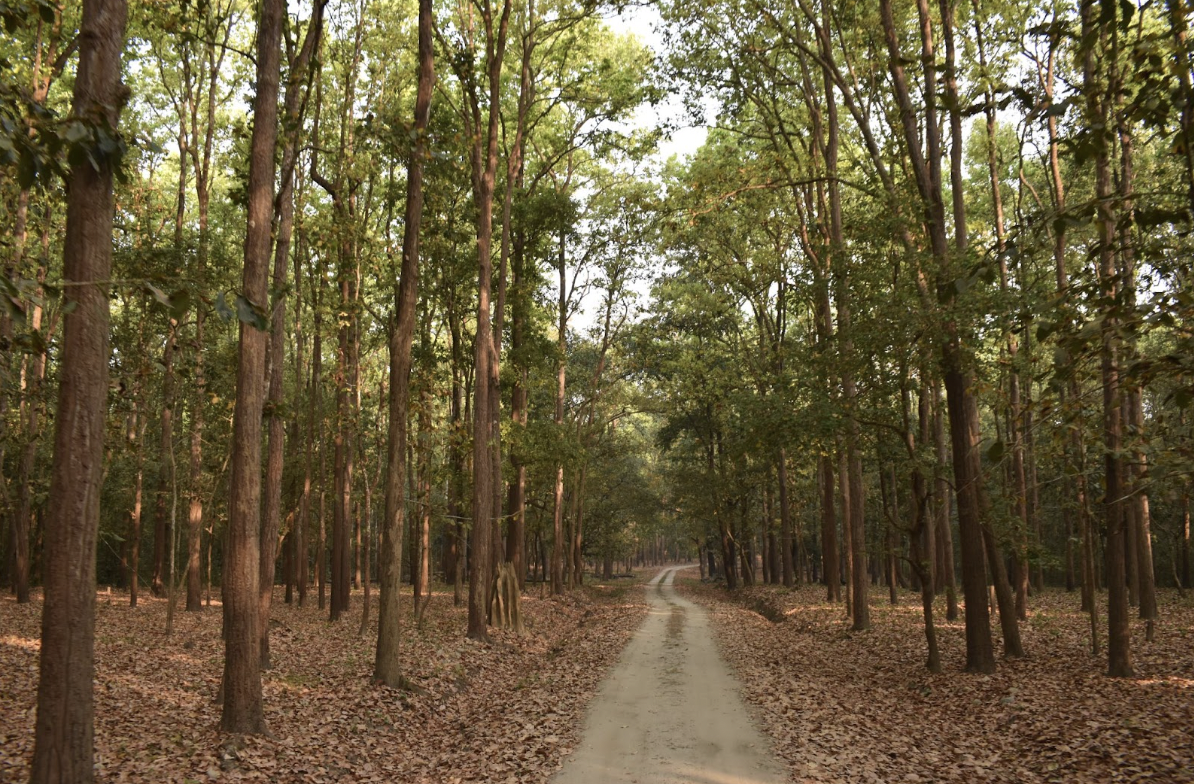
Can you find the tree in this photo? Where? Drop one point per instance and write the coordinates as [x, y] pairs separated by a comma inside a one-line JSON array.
[[65, 702], [387, 665], [243, 711]]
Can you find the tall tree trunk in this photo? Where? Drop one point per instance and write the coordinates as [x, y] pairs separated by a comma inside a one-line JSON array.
[[317, 430], [829, 541], [1139, 533], [1075, 452], [137, 437], [271, 512], [1098, 88], [33, 371], [63, 737], [843, 473], [1011, 342], [557, 545], [927, 171], [941, 509], [243, 710], [520, 298], [785, 521], [387, 667], [161, 534], [275, 357], [455, 570], [486, 434]]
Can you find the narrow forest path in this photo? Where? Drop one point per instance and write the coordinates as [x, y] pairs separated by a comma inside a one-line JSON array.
[[670, 710]]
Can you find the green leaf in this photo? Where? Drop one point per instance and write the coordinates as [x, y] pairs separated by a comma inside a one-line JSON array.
[[995, 452]]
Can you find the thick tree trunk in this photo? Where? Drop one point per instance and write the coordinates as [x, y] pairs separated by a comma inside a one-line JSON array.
[[63, 737], [243, 710], [271, 513]]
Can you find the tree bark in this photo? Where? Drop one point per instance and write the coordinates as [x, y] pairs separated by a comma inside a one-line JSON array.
[[271, 519], [161, 534], [557, 545], [1098, 88], [387, 667], [243, 710], [785, 521], [486, 435], [927, 172], [63, 736]]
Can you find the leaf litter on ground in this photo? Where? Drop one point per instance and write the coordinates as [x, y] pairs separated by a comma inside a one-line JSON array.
[[506, 710], [843, 706]]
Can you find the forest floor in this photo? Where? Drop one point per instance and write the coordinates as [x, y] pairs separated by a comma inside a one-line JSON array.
[[503, 711], [860, 707], [671, 712]]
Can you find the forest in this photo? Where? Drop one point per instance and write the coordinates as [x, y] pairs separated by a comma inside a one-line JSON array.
[[363, 358]]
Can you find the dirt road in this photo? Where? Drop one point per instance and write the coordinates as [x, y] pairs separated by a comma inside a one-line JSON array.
[[670, 712]]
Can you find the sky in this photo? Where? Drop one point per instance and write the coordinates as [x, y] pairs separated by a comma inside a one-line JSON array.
[[644, 22]]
